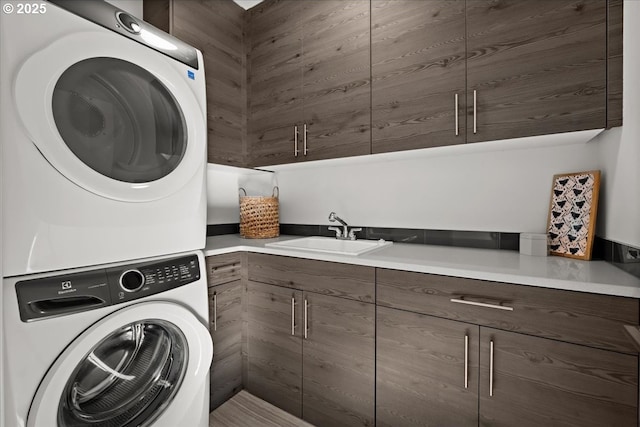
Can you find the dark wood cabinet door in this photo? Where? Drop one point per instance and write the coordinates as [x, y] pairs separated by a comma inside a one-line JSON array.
[[420, 370], [216, 28], [225, 326], [338, 362], [542, 382], [275, 82], [336, 78], [418, 68], [274, 345], [537, 67]]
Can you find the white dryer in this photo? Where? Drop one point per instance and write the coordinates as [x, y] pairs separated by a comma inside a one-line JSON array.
[[123, 345], [103, 132]]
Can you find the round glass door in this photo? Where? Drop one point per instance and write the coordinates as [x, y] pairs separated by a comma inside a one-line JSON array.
[[119, 120], [127, 379]]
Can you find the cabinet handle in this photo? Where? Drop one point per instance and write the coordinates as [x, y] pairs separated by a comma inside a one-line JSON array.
[[461, 300], [304, 140], [456, 107], [466, 361], [475, 111], [491, 369], [226, 268], [306, 318], [295, 141], [293, 315], [215, 311]]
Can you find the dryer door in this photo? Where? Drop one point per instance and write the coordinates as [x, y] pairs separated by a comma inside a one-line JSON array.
[[113, 116], [139, 364]]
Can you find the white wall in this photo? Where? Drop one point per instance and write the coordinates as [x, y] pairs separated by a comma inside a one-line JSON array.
[[223, 183], [497, 186]]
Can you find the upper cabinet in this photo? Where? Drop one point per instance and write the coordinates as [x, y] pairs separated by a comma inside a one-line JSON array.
[[535, 67], [449, 72], [418, 74], [309, 91], [296, 80], [275, 82]]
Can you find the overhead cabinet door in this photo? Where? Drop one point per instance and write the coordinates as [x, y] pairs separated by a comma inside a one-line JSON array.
[[418, 74], [535, 67], [310, 81], [275, 92], [336, 79]]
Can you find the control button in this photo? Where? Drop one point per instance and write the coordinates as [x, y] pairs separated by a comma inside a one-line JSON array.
[[132, 280], [128, 22]]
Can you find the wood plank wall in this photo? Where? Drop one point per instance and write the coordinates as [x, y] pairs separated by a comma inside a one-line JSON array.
[[614, 64], [216, 27]]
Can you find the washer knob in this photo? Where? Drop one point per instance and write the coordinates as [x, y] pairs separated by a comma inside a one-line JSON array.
[[132, 280]]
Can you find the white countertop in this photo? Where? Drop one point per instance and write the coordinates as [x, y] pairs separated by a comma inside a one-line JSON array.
[[506, 266]]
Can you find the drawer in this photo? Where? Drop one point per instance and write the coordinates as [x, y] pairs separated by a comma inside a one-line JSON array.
[[581, 318], [328, 278], [223, 268]]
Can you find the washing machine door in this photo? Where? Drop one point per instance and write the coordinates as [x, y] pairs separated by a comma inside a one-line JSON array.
[[114, 116], [140, 365]]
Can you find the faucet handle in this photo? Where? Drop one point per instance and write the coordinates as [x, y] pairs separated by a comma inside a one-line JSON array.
[[337, 230], [352, 233]]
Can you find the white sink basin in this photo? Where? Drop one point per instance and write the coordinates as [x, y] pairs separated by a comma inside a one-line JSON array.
[[330, 245]]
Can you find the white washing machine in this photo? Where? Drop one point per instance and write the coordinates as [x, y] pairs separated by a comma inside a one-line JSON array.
[[123, 345], [103, 132]]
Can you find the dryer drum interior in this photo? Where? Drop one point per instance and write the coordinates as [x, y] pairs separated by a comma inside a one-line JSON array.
[[119, 120], [128, 379]]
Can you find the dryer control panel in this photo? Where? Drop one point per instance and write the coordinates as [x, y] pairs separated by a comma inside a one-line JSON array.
[[75, 292]]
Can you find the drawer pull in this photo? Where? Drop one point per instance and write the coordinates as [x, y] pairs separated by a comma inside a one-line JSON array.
[[461, 300], [215, 311], [295, 141], [491, 369], [304, 140], [293, 315], [224, 268], [475, 112], [306, 318], [456, 110], [466, 361]]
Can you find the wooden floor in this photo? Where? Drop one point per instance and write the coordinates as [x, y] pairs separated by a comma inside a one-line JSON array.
[[246, 410]]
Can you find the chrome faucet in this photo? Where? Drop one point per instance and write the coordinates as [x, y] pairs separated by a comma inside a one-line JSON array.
[[345, 233]]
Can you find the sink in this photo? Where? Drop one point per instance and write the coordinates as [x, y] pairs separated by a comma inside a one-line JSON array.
[[330, 245]]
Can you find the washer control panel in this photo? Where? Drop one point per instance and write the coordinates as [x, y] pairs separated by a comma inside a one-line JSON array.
[[75, 292], [148, 279]]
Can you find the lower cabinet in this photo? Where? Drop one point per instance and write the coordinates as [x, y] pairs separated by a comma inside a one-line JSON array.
[[455, 368], [312, 355], [531, 381], [427, 370], [439, 372], [432, 350], [225, 326], [338, 361], [274, 348]]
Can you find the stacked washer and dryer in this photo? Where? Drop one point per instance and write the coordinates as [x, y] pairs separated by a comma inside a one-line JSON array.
[[103, 136]]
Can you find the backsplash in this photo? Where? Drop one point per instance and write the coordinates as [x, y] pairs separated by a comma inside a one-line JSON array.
[[622, 256], [466, 239]]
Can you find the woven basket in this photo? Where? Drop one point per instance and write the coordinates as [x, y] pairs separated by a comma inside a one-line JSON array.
[[259, 216]]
